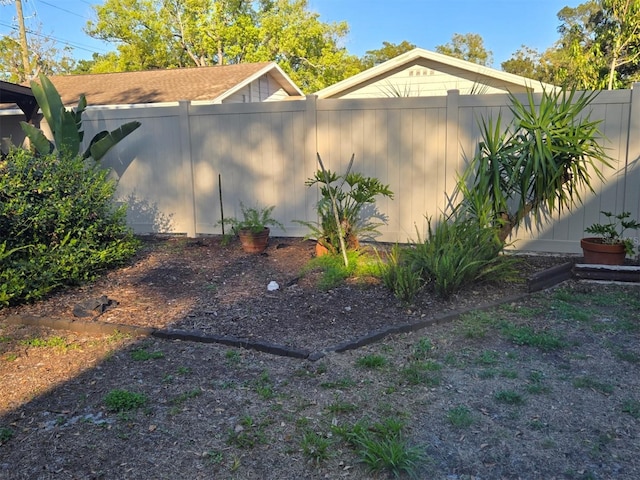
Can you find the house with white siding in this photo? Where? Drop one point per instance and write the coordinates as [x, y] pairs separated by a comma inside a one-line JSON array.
[[422, 73]]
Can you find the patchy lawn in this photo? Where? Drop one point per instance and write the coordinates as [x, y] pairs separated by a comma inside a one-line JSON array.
[[545, 386]]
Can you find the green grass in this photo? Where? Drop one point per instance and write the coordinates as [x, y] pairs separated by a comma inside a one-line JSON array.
[[315, 446], [626, 355], [536, 385], [264, 386], [422, 373], [422, 349], [372, 361], [524, 335], [247, 434], [142, 354], [568, 311], [232, 357], [6, 434], [475, 325], [460, 417], [382, 446], [124, 400], [334, 272], [592, 384], [509, 397], [342, 407], [488, 357], [51, 342], [632, 407], [183, 397]]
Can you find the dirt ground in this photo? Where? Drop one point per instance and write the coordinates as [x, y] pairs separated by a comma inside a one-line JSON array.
[[213, 411]]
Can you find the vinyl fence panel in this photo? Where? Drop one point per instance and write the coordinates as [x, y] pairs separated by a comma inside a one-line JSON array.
[[172, 169]]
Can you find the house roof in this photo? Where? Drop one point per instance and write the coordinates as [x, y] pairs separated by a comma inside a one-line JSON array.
[[21, 96], [434, 60], [212, 84]]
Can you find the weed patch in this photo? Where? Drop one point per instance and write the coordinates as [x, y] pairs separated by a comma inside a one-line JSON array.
[[383, 447], [460, 417], [591, 383], [527, 336], [372, 361], [509, 397], [142, 354], [124, 400]]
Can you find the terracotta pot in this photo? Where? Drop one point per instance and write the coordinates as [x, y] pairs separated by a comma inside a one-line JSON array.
[[352, 244], [321, 250], [597, 252], [254, 242]]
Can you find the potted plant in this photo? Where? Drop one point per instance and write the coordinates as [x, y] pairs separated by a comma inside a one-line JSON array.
[[341, 219], [253, 230], [610, 247]]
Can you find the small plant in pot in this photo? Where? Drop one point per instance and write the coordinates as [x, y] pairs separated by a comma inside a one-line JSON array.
[[253, 230], [609, 247]]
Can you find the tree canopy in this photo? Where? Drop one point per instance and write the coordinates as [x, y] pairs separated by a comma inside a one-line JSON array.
[[180, 33], [388, 51], [469, 47], [599, 47], [44, 57]]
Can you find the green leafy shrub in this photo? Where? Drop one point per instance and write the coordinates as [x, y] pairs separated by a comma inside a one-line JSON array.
[[459, 251], [58, 223]]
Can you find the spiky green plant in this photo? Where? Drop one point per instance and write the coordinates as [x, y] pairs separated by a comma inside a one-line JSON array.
[[540, 162]]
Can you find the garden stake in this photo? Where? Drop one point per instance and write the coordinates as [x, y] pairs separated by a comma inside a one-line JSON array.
[[221, 209]]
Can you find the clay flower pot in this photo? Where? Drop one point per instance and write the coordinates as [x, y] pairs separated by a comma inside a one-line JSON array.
[[254, 242], [597, 252]]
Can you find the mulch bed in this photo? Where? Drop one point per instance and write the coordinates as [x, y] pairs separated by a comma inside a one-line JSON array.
[[204, 290]]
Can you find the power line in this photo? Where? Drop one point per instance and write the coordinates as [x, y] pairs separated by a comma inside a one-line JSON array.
[[64, 10], [69, 43]]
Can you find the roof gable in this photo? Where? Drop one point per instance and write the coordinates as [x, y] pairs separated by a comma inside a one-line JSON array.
[[436, 61], [212, 84]]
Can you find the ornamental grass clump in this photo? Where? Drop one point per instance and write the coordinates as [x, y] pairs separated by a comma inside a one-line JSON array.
[[457, 251]]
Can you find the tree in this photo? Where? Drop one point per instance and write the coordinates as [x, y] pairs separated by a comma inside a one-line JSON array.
[[44, 57], [599, 47], [617, 34], [523, 62], [387, 52], [469, 47], [180, 33]]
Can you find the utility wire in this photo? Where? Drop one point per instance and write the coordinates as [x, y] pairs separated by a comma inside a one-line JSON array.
[[63, 9], [69, 43]]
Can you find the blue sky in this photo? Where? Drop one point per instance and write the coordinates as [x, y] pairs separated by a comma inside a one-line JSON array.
[[505, 25]]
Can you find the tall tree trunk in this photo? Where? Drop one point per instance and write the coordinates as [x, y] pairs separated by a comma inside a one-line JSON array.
[[614, 64], [23, 43]]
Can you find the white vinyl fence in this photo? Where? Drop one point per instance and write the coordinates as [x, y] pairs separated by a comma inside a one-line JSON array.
[[171, 170]]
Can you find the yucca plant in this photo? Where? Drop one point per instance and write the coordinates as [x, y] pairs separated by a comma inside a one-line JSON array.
[[540, 162]]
